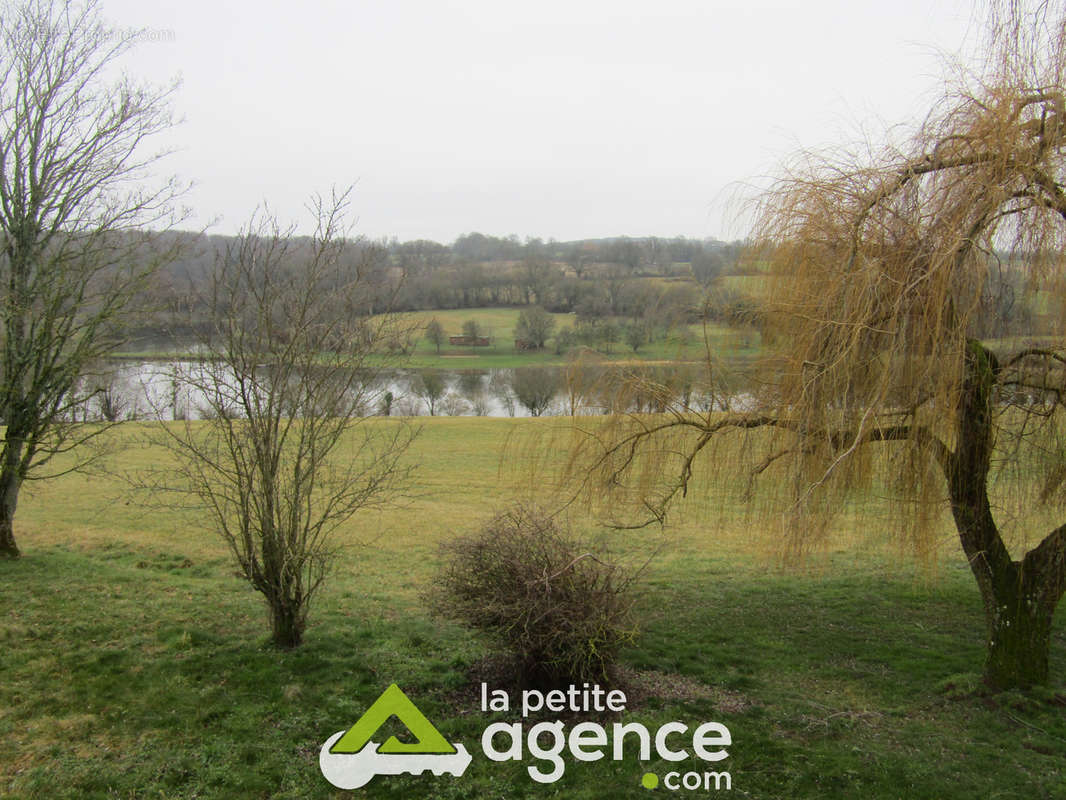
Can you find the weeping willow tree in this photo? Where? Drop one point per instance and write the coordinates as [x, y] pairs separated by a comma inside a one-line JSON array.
[[888, 267]]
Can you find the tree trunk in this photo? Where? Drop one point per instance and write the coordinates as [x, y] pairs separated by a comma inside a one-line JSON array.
[[8, 548], [1019, 597], [9, 495], [1020, 627], [287, 623], [1019, 638]]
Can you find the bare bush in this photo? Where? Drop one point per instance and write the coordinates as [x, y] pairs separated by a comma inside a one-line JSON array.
[[554, 603]]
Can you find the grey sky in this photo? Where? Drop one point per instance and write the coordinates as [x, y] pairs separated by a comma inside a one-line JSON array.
[[564, 119]]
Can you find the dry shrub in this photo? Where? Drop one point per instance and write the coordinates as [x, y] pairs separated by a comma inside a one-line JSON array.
[[552, 601]]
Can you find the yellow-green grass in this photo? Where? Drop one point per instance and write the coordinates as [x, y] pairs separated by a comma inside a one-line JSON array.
[[741, 344], [466, 468], [494, 322], [731, 343], [135, 664], [755, 286]]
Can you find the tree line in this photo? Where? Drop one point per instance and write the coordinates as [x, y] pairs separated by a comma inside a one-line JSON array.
[[592, 277]]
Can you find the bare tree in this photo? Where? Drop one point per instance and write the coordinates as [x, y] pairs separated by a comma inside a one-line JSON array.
[[579, 258], [435, 333], [584, 381], [285, 455], [708, 265], [534, 326], [472, 330], [635, 335], [73, 196], [535, 278], [881, 261]]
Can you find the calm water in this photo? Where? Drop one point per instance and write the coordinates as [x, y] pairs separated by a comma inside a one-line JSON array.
[[158, 389]]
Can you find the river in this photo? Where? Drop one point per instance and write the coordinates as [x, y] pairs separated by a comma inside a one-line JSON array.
[[162, 390]]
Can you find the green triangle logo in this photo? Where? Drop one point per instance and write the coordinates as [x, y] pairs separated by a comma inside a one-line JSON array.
[[393, 703]]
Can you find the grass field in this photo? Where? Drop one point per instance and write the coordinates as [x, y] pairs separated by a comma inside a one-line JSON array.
[[740, 344], [134, 664], [499, 324]]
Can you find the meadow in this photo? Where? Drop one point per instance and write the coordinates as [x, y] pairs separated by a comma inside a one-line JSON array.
[[689, 344], [133, 663]]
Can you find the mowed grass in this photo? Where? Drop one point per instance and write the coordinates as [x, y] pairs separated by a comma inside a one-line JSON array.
[[732, 343], [134, 664], [735, 344]]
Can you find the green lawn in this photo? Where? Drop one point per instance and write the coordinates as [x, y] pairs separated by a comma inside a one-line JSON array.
[[733, 343], [135, 665], [737, 344]]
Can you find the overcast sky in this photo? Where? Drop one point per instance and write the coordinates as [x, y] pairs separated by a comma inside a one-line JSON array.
[[568, 119]]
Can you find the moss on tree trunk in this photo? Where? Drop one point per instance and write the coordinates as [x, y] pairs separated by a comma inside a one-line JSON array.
[[1019, 638], [9, 493], [1019, 596], [287, 621]]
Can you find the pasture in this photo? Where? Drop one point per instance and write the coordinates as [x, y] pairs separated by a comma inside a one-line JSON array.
[[134, 664]]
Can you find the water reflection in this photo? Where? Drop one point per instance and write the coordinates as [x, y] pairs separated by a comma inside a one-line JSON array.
[[169, 390]]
